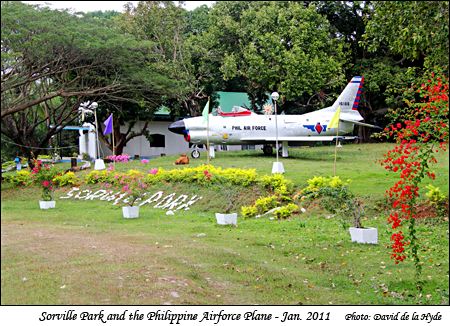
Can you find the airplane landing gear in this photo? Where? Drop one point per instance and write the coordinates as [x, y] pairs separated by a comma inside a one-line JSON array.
[[195, 154], [267, 149]]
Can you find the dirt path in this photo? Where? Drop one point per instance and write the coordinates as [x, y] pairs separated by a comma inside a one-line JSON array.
[[86, 267]]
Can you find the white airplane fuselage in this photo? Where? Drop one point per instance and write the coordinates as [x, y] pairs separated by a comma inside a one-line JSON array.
[[260, 129], [246, 127]]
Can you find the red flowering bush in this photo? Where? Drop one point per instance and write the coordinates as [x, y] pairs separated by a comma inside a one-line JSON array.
[[207, 174], [43, 177], [135, 187], [420, 130]]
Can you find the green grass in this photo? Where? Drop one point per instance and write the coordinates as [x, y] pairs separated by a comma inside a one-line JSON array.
[[84, 252], [356, 162]]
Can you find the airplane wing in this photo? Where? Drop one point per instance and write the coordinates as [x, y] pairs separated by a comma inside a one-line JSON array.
[[360, 123], [299, 138]]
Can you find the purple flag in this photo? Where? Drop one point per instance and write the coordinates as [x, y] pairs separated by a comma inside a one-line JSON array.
[[108, 125]]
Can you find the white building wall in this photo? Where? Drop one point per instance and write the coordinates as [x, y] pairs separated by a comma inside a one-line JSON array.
[[174, 144]]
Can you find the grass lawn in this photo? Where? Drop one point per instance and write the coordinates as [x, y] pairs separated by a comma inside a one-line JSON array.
[[84, 252]]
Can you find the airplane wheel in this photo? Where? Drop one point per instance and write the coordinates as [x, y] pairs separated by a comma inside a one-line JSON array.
[[195, 154], [267, 149]]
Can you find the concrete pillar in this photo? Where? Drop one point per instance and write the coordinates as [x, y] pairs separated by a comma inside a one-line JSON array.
[[87, 141], [284, 150], [212, 152], [82, 143]]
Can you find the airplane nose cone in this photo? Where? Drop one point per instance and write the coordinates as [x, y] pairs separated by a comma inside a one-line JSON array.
[[178, 127]]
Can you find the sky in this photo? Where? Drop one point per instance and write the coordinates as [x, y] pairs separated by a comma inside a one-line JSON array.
[[87, 6]]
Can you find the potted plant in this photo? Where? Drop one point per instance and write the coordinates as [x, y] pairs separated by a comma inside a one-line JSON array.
[[227, 218], [333, 195], [43, 177], [135, 188], [358, 233]]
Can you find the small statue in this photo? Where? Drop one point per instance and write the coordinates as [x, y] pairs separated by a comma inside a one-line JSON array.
[[183, 159]]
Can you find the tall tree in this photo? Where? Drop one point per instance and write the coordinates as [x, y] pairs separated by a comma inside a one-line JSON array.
[[165, 24], [52, 61], [405, 41], [416, 30], [45, 55], [281, 46]]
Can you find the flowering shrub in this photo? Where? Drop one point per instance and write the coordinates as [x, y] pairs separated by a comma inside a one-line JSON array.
[[334, 196], [204, 174], [208, 175], [97, 176], [317, 183], [277, 183], [438, 200], [434, 194], [261, 206], [286, 211], [20, 178], [134, 174], [124, 158], [43, 177], [420, 130], [264, 204], [66, 179], [144, 161], [249, 211], [135, 187]]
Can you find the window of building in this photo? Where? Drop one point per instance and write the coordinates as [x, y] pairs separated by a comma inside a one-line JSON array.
[[157, 140]]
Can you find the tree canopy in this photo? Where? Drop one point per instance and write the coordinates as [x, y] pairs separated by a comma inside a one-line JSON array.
[[47, 71]]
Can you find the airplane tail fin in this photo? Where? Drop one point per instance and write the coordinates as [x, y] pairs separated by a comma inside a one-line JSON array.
[[349, 99]]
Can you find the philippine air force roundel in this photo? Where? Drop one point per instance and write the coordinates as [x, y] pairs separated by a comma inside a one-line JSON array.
[[317, 127]]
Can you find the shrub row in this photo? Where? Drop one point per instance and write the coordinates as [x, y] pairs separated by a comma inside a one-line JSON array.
[[204, 175]]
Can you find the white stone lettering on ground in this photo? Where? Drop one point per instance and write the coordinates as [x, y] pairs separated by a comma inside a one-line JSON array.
[[153, 198], [181, 199], [189, 203], [165, 201], [106, 195], [169, 202], [78, 196], [70, 193], [97, 194]]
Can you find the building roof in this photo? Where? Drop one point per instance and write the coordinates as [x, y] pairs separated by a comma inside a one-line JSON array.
[[229, 99], [226, 102]]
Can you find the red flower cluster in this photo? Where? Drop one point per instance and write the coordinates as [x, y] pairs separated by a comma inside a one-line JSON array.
[[43, 176], [47, 184], [207, 175], [398, 247], [417, 136], [37, 167]]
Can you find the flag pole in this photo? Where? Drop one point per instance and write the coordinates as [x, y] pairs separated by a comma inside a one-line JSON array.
[[114, 147], [335, 147], [207, 134]]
